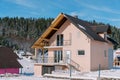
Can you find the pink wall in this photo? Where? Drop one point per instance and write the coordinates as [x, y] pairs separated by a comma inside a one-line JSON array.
[[38, 70], [94, 50], [9, 70], [79, 41], [98, 56]]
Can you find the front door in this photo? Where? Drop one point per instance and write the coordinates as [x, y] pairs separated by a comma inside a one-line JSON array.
[[68, 56]]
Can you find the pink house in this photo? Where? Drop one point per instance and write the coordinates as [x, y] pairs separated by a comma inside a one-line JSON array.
[[73, 42], [8, 61]]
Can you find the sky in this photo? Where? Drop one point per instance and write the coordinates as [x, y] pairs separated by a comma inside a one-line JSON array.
[[106, 11]]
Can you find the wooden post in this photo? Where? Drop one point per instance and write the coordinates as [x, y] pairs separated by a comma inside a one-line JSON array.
[[36, 53]]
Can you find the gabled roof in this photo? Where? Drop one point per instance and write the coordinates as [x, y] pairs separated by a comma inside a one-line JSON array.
[[55, 25], [8, 59], [101, 28], [112, 41], [84, 26]]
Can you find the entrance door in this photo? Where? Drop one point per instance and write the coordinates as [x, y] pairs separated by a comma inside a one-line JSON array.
[[68, 56]]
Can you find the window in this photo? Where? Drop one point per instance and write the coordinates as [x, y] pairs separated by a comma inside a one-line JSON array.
[[105, 53], [81, 52], [58, 56], [60, 40]]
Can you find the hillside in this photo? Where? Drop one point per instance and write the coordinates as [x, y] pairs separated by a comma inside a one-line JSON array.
[[21, 33]]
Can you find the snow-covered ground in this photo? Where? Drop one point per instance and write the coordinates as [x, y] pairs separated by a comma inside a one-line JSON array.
[[110, 74], [28, 68], [28, 65], [113, 73], [27, 78]]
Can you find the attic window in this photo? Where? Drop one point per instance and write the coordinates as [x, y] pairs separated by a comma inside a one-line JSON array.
[[81, 27]]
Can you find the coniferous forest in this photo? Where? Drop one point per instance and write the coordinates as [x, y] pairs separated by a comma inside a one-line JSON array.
[[21, 33]]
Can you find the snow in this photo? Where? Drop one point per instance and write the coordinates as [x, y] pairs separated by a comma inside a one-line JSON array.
[[28, 65], [113, 73], [28, 78]]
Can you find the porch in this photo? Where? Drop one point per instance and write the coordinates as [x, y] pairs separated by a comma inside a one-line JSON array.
[[45, 65]]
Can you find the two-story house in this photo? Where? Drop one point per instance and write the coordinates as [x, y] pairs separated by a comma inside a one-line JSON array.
[[73, 42]]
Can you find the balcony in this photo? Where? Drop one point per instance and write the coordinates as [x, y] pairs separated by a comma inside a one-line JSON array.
[[51, 61], [59, 44], [55, 61]]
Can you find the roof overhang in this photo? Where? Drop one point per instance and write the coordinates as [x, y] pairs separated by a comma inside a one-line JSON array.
[[55, 25]]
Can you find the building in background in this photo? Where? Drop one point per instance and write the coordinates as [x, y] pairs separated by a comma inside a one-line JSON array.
[[117, 57], [8, 61]]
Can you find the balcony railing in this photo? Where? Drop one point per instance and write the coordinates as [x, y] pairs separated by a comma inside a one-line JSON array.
[[63, 61], [50, 60], [64, 43], [74, 64]]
